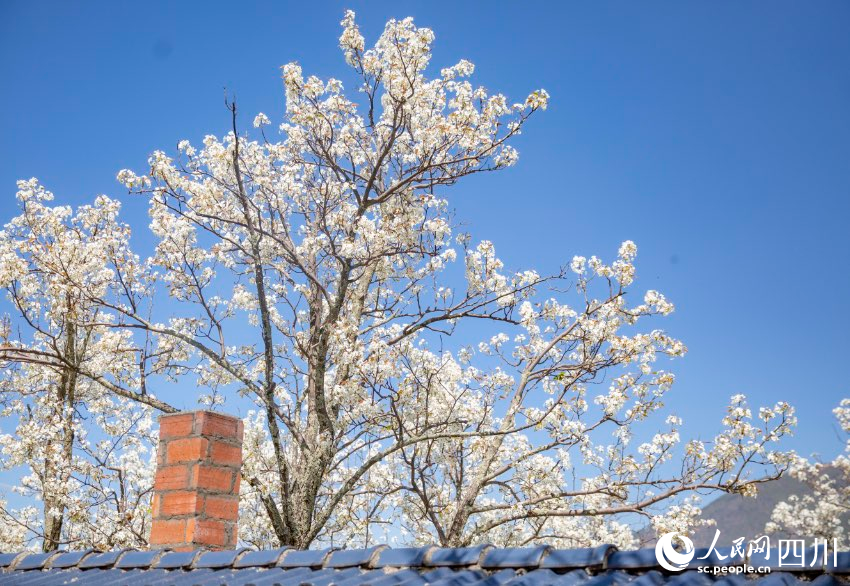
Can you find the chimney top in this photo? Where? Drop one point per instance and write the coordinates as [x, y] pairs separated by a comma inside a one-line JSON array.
[[196, 489]]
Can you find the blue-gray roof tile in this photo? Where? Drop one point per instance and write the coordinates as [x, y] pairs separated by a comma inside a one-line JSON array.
[[690, 577], [362, 577], [514, 557], [137, 559], [35, 561], [347, 558], [826, 580], [403, 557], [456, 556], [69, 559], [219, 559], [839, 563], [176, 559], [101, 560], [460, 577], [498, 578], [394, 578], [264, 557], [732, 580], [279, 576], [329, 576], [632, 560], [535, 578], [312, 558], [6, 559], [588, 557]]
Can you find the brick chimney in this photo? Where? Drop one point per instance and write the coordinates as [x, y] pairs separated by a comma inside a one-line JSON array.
[[196, 490]]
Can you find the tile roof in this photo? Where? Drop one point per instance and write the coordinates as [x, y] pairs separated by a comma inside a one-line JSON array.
[[385, 566]]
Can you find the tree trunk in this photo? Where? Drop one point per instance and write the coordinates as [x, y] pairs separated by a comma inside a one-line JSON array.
[[58, 472]]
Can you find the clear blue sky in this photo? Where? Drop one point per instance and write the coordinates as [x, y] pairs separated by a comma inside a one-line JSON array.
[[716, 135]]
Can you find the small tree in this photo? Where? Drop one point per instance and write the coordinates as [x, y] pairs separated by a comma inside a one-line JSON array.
[[81, 449], [824, 512], [317, 275]]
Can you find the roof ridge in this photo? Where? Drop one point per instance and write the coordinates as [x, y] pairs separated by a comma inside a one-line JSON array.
[[605, 557]]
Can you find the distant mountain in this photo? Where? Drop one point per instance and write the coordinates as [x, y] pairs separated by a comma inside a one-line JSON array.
[[737, 516]]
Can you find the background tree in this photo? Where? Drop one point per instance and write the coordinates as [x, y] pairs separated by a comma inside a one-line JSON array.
[[824, 512], [82, 451]]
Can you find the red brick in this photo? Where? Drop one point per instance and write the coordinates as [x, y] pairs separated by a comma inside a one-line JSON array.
[[164, 532], [217, 424], [236, 484], [223, 454], [155, 506], [171, 478], [191, 449], [208, 477], [181, 503], [222, 507], [206, 532], [177, 425]]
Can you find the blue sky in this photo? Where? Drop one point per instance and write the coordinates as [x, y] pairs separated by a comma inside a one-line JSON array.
[[715, 135]]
